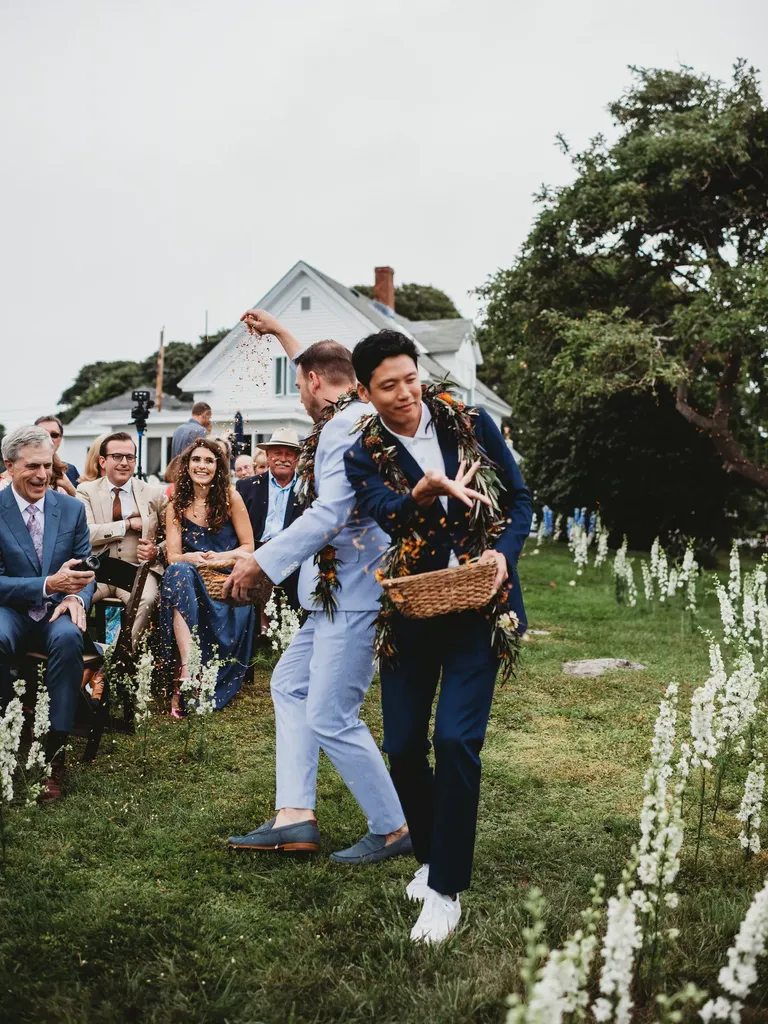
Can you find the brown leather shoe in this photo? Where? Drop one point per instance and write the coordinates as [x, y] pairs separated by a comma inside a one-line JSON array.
[[97, 686], [54, 784]]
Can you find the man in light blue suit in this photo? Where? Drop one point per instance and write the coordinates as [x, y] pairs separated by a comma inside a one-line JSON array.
[[43, 600], [321, 680]]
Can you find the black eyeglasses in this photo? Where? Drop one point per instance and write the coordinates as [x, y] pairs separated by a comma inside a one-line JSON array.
[[119, 458], [55, 435]]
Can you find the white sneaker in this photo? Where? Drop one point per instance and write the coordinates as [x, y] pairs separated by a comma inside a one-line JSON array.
[[438, 918], [418, 886]]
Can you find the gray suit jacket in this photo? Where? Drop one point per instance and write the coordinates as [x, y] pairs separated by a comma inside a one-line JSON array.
[[360, 544]]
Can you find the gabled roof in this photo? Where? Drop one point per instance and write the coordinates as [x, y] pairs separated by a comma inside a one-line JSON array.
[[124, 401], [433, 338], [373, 313], [442, 336]]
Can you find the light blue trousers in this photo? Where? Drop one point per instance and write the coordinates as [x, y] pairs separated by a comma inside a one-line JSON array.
[[318, 688]]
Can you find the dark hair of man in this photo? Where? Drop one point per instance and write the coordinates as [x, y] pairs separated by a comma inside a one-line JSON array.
[[369, 353], [119, 436], [218, 505], [328, 359], [201, 408], [50, 419]]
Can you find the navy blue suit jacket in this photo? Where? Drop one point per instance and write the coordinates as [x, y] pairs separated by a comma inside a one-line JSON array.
[[65, 536], [254, 490], [445, 531]]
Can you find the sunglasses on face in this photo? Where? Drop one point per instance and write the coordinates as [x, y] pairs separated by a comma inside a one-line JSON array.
[[55, 435], [119, 458]]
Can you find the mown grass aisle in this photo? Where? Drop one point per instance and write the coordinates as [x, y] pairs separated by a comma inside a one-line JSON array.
[[122, 903]]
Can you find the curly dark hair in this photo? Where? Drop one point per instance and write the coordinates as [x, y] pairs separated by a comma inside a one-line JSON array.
[[218, 504]]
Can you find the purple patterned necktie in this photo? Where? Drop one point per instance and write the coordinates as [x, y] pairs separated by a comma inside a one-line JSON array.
[[35, 528]]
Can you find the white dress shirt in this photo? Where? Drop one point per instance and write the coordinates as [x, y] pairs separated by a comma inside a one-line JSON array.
[[24, 505], [424, 448], [127, 504]]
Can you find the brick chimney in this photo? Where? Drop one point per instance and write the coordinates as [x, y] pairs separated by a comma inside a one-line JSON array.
[[384, 287]]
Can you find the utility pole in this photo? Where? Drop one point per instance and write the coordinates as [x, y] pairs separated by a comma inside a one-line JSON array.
[[160, 369]]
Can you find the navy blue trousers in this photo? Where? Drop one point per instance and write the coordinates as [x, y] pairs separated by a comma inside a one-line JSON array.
[[63, 642], [440, 805]]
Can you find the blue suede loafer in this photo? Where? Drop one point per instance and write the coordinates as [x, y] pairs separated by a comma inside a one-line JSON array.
[[372, 849], [304, 837]]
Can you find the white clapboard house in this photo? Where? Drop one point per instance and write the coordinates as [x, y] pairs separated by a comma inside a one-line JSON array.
[[237, 375]]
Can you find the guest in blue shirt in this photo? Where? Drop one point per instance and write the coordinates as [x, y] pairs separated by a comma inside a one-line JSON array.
[[197, 426], [269, 496]]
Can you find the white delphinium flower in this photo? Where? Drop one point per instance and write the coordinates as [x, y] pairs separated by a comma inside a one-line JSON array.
[[10, 736], [672, 582], [662, 575], [558, 527], [629, 581], [749, 611], [622, 937], [143, 694], [601, 553], [740, 973], [751, 807], [620, 560], [206, 697], [703, 713], [283, 624], [655, 550], [534, 524], [690, 594], [647, 581], [195, 657], [761, 606], [734, 575], [661, 824], [540, 533], [561, 986], [36, 756], [738, 701], [727, 614], [689, 567]]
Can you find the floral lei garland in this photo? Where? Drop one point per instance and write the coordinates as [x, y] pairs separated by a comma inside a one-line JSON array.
[[326, 561], [454, 417]]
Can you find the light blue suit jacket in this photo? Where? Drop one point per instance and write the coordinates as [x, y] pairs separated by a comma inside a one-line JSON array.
[[65, 536], [360, 544]]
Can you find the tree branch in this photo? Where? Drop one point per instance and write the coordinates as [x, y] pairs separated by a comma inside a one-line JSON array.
[[716, 425]]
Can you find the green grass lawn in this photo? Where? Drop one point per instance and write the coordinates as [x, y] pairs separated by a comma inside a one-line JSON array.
[[122, 903]]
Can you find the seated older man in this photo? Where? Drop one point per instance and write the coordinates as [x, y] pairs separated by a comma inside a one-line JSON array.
[[43, 598], [123, 514]]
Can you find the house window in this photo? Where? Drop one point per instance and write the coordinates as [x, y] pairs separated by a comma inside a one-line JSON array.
[[285, 377], [154, 454], [306, 302]]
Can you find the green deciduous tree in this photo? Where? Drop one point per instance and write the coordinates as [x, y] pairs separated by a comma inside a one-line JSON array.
[[649, 273], [418, 302], [100, 381]]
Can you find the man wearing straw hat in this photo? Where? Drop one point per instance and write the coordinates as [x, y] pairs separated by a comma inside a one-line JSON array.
[[270, 500], [438, 476], [321, 680]]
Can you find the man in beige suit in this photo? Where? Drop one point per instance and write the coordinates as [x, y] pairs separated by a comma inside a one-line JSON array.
[[123, 514]]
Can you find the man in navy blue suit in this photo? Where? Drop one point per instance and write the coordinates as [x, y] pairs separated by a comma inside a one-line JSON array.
[[441, 806], [43, 599], [269, 498]]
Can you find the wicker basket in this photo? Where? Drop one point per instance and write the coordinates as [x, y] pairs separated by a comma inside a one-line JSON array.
[[443, 591], [215, 576]]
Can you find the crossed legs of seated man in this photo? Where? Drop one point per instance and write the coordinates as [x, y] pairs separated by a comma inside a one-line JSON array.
[[441, 805], [63, 641], [318, 689]]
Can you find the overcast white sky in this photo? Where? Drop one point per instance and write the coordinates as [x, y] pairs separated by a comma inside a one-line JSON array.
[[161, 158]]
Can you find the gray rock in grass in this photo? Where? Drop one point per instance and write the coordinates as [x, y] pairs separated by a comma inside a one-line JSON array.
[[592, 667]]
